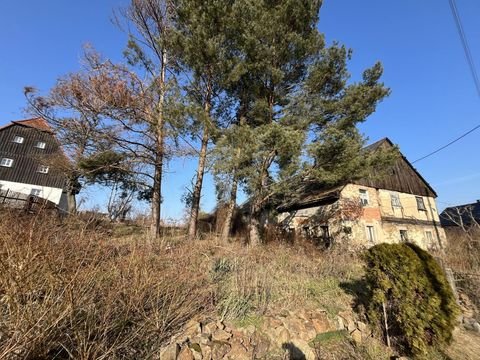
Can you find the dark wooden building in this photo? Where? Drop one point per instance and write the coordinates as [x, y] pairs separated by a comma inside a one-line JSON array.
[[26, 150]]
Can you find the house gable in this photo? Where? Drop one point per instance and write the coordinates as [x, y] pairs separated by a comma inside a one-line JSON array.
[[37, 143], [401, 176]]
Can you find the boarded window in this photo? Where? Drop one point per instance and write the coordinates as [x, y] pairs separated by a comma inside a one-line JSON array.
[[363, 197], [420, 203], [395, 198]]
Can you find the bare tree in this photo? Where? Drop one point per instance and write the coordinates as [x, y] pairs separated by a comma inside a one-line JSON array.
[[462, 217], [149, 49]]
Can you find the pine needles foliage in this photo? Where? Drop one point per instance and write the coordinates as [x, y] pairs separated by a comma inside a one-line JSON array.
[[409, 298]]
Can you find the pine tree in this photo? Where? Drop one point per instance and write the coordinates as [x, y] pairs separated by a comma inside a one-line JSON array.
[[409, 298], [201, 43], [295, 103]]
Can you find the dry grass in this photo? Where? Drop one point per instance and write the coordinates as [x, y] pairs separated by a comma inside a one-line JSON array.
[[68, 292], [278, 277], [72, 290], [463, 256]]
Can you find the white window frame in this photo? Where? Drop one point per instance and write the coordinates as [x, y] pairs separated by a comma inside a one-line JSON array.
[[43, 169], [371, 234], [6, 162], [40, 144], [364, 198], [18, 139], [395, 200], [36, 192]]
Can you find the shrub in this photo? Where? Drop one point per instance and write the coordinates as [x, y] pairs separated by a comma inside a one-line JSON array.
[[408, 285], [69, 292]]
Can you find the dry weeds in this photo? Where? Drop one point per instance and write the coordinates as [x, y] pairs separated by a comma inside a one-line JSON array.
[[463, 257], [71, 290]]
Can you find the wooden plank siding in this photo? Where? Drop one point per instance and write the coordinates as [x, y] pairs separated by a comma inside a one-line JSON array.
[[27, 158], [401, 177]]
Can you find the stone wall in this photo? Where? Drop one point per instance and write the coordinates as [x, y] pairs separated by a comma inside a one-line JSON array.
[[387, 220]]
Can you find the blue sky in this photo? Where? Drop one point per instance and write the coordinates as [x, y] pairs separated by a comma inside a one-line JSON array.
[[433, 96]]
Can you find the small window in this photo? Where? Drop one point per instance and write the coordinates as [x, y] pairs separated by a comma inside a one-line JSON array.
[[429, 237], [395, 198], [371, 234], [403, 236], [420, 203], [363, 197], [6, 162], [18, 139], [36, 192], [43, 169], [40, 145]]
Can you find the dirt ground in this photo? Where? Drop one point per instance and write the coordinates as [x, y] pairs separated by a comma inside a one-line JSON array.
[[466, 346]]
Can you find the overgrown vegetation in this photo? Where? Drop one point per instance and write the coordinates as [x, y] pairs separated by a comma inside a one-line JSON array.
[[68, 292], [254, 82], [71, 290], [463, 257], [409, 298], [77, 289]]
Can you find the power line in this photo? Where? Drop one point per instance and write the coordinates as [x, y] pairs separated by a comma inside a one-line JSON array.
[[447, 145], [466, 48], [473, 71]]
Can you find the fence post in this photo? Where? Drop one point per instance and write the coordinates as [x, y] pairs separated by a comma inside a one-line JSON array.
[[451, 281], [450, 278]]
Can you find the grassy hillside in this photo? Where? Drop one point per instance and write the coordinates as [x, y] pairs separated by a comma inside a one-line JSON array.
[[79, 290]]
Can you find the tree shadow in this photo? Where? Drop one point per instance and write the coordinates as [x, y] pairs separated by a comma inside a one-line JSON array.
[[360, 292], [294, 353]]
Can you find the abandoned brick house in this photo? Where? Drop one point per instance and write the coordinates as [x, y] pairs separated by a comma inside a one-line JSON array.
[[24, 147], [397, 207]]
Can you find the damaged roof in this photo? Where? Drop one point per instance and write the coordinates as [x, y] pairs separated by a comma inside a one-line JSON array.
[[401, 177]]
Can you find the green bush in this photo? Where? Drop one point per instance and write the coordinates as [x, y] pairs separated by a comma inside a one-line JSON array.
[[420, 307]]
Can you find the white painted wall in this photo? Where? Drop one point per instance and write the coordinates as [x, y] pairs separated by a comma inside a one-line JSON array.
[[52, 194]]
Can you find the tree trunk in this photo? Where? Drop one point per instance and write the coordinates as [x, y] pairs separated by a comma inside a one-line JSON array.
[[254, 223], [202, 159], [227, 224], [157, 178], [71, 202], [71, 190], [157, 198]]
